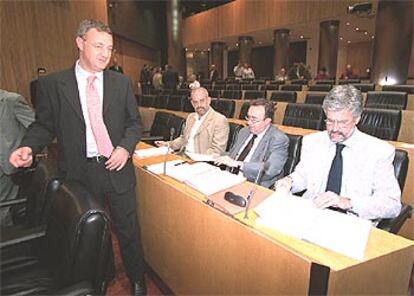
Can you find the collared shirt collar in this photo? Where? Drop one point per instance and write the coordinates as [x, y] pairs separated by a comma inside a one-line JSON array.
[[83, 74]]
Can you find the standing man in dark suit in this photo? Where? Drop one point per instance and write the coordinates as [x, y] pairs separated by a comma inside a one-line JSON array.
[[145, 79], [93, 115], [170, 78], [213, 74], [257, 143]]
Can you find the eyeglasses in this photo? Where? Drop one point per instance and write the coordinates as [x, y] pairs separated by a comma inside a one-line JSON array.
[[253, 120], [339, 123], [99, 46]]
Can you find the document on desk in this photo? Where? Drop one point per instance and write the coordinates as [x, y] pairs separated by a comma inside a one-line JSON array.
[[150, 152], [158, 168], [295, 216], [199, 157]]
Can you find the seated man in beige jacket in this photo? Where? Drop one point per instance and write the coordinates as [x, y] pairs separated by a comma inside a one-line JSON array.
[[206, 131]]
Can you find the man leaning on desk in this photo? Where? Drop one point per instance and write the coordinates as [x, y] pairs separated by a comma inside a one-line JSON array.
[[206, 131], [343, 168], [258, 143]]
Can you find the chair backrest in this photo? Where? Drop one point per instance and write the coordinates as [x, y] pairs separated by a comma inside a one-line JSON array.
[[162, 124], [295, 144], [161, 101], [186, 105], [400, 164], [381, 123], [320, 87], [78, 237], [304, 116], [365, 87], [147, 100], [233, 86], [315, 98], [408, 88], [220, 86], [250, 87], [386, 100], [283, 96], [175, 103], [183, 92], [299, 81], [232, 94], [276, 82], [291, 87], [325, 81], [254, 94], [233, 132], [243, 110], [349, 81], [270, 87], [214, 93], [225, 107]]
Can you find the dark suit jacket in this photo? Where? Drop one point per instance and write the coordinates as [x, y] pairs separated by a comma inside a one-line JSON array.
[[214, 76], [273, 148], [59, 114], [170, 79]]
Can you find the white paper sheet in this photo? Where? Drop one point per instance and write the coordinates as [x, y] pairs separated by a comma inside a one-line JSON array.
[[199, 157], [295, 216], [149, 152]]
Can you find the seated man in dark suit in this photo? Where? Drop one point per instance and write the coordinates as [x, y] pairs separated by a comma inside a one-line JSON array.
[[259, 142]]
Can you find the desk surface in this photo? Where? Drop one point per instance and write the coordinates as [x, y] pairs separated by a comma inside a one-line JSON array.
[[190, 244]]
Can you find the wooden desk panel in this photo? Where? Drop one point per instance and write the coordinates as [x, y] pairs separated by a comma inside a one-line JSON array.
[[196, 249]]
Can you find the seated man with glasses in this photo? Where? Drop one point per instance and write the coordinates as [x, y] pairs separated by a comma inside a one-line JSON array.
[[343, 168], [258, 143], [206, 131]]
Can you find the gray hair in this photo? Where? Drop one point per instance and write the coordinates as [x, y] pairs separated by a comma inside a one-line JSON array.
[[86, 25], [343, 97]]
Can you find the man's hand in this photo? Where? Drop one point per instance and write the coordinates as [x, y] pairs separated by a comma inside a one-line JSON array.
[[161, 143], [228, 161], [284, 184], [118, 159], [21, 157], [331, 199]]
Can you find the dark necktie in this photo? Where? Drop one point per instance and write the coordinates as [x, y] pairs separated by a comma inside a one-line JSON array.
[[244, 153], [335, 174]]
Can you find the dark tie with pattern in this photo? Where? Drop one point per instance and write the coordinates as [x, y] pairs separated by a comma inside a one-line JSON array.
[[244, 153], [335, 174]]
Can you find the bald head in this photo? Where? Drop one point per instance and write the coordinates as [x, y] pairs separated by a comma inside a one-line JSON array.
[[200, 100]]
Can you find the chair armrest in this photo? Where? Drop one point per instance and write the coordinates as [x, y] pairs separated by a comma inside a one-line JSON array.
[[18, 235], [79, 289], [12, 202], [394, 225]]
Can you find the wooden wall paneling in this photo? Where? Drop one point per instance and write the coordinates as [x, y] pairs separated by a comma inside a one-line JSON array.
[[359, 56]]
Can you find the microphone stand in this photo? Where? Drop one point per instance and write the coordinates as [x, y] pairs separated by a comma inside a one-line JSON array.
[[253, 189], [172, 132]]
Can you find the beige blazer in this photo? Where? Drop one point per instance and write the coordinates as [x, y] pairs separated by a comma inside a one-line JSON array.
[[211, 137]]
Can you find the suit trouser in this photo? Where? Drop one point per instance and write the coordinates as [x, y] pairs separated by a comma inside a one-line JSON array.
[[122, 207], [8, 191]]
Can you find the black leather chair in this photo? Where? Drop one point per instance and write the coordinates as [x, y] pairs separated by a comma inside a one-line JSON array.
[[233, 132], [186, 105], [243, 110], [259, 81], [175, 103], [161, 101], [320, 87], [250, 87], [349, 81], [233, 86], [365, 87], [270, 87], [254, 94], [225, 107], [299, 81], [220, 86], [384, 124], [70, 258], [295, 145], [232, 94], [400, 163], [325, 81], [386, 100], [291, 87], [214, 93], [304, 116], [408, 88], [283, 96], [183, 92], [276, 82], [147, 100], [315, 98], [162, 125]]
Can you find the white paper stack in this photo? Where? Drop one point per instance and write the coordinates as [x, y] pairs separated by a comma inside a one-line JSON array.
[[295, 216], [150, 152]]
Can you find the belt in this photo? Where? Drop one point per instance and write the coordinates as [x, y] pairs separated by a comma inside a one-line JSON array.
[[96, 159]]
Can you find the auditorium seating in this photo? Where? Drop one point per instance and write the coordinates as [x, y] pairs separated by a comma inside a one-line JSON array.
[[71, 258], [320, 87], [234, 131], [183, 92], [384, 124], [315, 98], [295, 145], [243, 110], [299, 81], [225, 107], [400, 163], [291, 87], [161, 101], [162, 125], [386, 100], [349, 81], [146, 100], [325, 81], [214, 93], [219, 86], [276, 82], [233, 86], [186, 105], [250, 87], [283, 96], [304, 116], [175, 103], [232, 94], [270, 87], [408, 88], [254, 94], [365, 87]]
